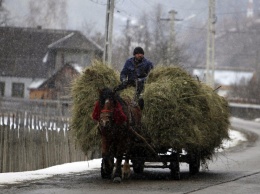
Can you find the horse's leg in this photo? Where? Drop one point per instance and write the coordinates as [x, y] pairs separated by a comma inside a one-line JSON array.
[[117, 174], [126, 172], [126, 169], [118, 170], [107, 159]]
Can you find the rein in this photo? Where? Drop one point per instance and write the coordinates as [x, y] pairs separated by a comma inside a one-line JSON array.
[[106, 110]]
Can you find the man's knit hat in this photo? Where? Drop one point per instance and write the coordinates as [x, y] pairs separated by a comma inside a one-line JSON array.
[[138, 50]]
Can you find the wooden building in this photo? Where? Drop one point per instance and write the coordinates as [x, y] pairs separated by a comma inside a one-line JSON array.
[[31, 55], [57, 87]]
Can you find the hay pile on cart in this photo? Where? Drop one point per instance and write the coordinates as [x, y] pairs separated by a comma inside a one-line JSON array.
[[180, 112], [84, 94]]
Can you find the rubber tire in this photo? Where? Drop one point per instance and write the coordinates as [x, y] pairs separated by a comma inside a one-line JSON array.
[[108, 173], [138, 167], [194, 164], [175, 170]]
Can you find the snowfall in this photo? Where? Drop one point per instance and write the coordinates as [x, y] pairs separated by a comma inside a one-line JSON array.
[[77, 167]]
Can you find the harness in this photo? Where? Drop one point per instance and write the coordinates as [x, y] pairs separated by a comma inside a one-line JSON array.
[[105, 110]]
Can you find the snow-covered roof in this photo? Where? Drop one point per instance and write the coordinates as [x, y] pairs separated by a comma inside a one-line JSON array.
[[226, 77], [77, 67], [36, 83], [60, 40]]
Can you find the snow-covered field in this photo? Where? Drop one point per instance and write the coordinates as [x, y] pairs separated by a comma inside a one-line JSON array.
[[77, 167]]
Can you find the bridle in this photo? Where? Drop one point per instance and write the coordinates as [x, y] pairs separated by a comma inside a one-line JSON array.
[[106, 115]]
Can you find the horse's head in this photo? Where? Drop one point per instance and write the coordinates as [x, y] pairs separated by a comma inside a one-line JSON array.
[[107, 104], [108, 110], [106, 114]]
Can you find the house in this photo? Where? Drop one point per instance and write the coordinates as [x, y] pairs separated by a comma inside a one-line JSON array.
[[226, 78], [237, 54], [32, 55], [58, 85]]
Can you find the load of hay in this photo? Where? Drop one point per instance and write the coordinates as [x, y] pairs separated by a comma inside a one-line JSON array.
[[84, 94], [181, 112]]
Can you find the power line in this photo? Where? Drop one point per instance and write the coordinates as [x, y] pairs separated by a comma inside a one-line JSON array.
[[199, 39], [148, 2], [134, 4], [230, 13], [121, 11], [97, 2], [194, 28]]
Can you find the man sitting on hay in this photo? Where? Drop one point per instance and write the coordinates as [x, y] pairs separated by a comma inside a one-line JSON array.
[[134, 73]]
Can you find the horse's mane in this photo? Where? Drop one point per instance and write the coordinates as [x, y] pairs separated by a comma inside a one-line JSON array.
[[108, 93]]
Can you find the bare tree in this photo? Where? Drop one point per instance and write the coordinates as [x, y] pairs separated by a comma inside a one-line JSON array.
[[119, 52], [88, 28], [50, 14], [160, 37], [140, 34], [159, 48], [153, 35], [4, 14]]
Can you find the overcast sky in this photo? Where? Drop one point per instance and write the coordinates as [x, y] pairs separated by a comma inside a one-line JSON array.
[[94, 10]]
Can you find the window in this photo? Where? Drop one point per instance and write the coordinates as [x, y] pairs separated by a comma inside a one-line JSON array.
[[2, 88], [18, 90]]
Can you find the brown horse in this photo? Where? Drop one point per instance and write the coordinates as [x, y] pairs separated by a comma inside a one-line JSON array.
[[115, 116]]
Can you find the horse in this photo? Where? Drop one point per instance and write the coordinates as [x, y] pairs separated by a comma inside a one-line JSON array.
[[115, 117]]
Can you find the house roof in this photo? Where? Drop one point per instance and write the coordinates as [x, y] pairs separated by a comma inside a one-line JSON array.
[[38, 83], [77, 68], [76, 41], [23, 50]]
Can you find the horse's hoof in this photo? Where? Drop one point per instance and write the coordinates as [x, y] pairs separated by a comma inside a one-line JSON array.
[[117, 180], [126, 175]]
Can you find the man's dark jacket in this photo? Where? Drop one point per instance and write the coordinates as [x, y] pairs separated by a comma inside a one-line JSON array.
[[131, 73]]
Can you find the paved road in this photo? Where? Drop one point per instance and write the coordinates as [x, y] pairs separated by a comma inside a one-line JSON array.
[[234, 171]]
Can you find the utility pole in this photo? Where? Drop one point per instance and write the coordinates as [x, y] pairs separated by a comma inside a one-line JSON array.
[[210, 63], [107, 55], [171, 46], [3, 14], [128, 38], [171, 43]]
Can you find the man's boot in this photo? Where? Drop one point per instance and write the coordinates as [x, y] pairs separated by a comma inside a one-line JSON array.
[[141, 103]]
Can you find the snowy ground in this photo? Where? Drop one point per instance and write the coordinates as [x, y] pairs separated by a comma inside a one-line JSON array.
[[76, 167]]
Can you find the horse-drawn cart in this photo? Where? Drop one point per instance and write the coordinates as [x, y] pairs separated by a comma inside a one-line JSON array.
[[143, 155], [183, 120], [163, 158]]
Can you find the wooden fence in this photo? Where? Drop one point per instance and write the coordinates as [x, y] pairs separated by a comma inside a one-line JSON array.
[[29, 141]]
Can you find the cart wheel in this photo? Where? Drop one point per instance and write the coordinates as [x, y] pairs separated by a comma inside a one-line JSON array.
[[194, 163], [107, 168], [175, 166], [138, 166], [175, 170]]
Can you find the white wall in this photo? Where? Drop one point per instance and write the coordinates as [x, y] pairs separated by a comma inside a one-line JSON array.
[[226, 77], [8, 85]]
